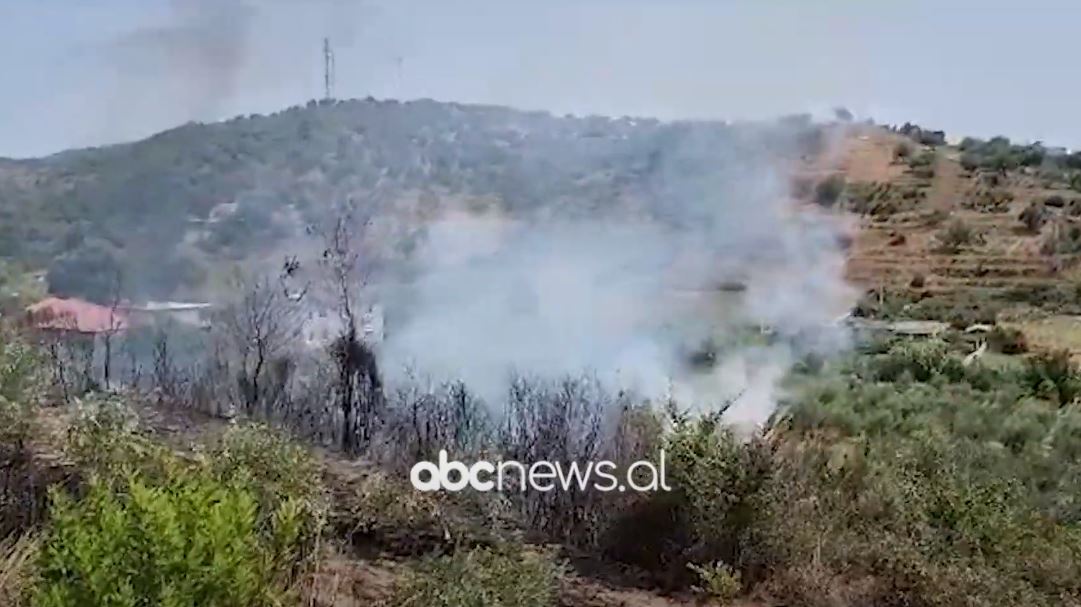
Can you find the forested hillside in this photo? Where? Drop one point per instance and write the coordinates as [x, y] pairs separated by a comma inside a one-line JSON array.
[[164, 211]]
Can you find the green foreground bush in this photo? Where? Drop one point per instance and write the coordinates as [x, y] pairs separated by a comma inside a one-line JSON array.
[[909, 478], [190, 541], [233, 526], [902, 477]]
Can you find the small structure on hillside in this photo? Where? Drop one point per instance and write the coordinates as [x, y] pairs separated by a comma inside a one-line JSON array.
[[322, 327], [909, 328], [194, 314], [371, 324], [75, 316]]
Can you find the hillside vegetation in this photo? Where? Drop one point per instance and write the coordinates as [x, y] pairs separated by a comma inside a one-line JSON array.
[[196, 196], [917, 467], [898, 476]]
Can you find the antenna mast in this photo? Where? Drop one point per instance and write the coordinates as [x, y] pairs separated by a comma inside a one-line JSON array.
[[328, 69]]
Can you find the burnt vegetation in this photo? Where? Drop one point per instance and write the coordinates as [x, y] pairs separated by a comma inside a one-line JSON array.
[[904, 472], [844, 493]]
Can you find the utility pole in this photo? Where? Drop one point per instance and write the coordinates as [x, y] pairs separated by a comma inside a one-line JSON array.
[[328, 70]]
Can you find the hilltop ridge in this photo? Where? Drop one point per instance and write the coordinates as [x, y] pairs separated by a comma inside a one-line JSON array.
[[199, 193]]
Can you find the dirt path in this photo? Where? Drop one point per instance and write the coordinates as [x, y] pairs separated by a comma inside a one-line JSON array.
[[869, 157], [946, 186]]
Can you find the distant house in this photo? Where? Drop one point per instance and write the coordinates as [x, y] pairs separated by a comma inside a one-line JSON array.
[[371, 324], [195, 314], [55, 314], [321, 327]]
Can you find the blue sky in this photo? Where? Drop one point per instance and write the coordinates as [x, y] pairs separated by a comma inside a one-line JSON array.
[[88, 72]]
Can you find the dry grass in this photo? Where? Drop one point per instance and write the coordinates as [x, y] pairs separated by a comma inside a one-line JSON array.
[[343, 581], [1052, 334], [17, 556]]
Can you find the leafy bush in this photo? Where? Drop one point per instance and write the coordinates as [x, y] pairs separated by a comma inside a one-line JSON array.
[[20, 378], [913, 518], [275, 466], [921, 360], [1007, 340], [951, 491], [23, 481], [103, 439], [19, 286], [999, 154], [922, 165], [922, 135], [1055, 201], [1053, 375], [716, 478], [483, 577], [718, 582], [1034, 216], [924, 159], [989, 200], [190, 541], [233, 525], [881, 199], [828, 191], [956, 236]]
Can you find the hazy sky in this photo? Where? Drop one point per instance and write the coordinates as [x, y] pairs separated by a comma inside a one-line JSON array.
[[86, 72]]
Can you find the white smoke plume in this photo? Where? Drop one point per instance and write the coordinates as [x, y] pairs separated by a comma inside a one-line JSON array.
[[625, 295]]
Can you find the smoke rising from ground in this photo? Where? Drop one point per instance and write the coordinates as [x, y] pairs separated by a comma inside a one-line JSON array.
[[629, 295]]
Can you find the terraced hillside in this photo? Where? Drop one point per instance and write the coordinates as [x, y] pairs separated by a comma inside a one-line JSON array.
[[952, 232]]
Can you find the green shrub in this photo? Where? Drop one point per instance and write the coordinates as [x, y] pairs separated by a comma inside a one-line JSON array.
[[1034, 216], [273, 464], [912, 517], [999, 154], [1007, 340], [989, 200], [20, 367], [902, 150], [923, 159], [24, 480], [266, 489], [921, 360], [716, 478], [828, 191], [956, 236], [189, 541], [483, 577], [20, 379], [104, 440], [881, 199], [1055, 201], [718, 582], [953, 491], [1053, 375]]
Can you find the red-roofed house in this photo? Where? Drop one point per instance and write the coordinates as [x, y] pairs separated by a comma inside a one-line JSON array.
[[75, 316]]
